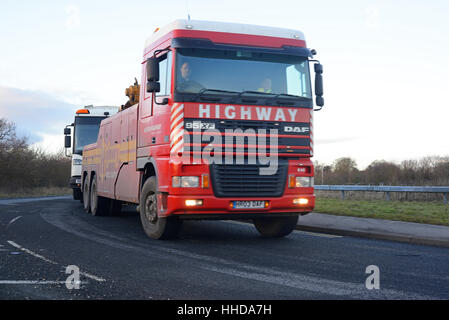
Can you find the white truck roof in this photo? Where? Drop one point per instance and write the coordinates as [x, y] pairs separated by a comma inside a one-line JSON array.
[[98, 111], [228, 27]]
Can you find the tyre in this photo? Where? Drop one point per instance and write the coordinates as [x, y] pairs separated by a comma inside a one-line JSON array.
[[99, 206], [86, 195], [154, 226], [115, 207], [77, 194], [275, 227]]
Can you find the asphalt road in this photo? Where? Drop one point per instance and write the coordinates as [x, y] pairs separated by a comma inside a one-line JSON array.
[[210, 260]]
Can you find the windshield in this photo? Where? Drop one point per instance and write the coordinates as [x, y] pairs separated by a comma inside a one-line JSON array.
[[200, 70], [86, 132]]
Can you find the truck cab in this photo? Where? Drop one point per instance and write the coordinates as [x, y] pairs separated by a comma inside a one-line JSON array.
[[83, 131]]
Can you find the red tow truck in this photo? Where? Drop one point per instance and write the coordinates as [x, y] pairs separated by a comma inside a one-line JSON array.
[[221, 128]]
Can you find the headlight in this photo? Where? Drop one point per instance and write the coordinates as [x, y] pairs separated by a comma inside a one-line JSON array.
[[185, 182], [304, 182], [77, 162]]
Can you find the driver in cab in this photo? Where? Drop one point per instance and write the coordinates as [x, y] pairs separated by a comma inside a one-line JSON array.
[[185, 82]]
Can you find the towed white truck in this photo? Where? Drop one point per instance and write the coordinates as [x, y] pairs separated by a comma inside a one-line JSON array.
[[83, 131]]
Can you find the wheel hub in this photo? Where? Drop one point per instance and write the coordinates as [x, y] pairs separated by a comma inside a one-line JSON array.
[[151, 208]]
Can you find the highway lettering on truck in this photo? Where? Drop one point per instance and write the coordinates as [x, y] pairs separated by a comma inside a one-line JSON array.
[[221, 128]]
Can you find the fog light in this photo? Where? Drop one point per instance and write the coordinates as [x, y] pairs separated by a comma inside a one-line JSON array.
[[194, 203], [301, 201]]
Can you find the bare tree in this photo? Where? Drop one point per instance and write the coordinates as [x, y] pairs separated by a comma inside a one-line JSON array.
[[345, 171], [23, 167], [382, 172]]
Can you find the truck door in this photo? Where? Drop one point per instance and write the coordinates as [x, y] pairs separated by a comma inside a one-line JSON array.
[[145, 112], [153, 124], [161, 113]]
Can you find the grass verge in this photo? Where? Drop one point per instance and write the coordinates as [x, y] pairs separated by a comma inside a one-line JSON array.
[[35, 192], [410, 211]]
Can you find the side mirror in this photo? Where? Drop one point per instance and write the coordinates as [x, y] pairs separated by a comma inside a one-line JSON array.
[[66, 131], [153, 86], [319, 84], [152, 69], [67, 141], [153, 75]]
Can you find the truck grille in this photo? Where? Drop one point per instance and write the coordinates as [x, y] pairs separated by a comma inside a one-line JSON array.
[[244, 180], [296, 144]]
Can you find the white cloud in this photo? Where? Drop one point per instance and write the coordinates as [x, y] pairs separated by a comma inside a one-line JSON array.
[[35, 113], [50, 143]]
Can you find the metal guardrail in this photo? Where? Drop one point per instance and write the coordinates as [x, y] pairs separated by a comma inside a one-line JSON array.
[[386, 189]]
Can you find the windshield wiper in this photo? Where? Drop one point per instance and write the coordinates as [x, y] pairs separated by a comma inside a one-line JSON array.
[[256, 92], [203, 91], [290, 96]]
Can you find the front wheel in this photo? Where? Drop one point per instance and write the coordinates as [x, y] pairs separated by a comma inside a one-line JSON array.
[[154, 226], [275, 227], [77, 194]]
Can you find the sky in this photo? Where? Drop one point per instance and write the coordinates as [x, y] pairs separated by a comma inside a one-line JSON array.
[[385, 65]]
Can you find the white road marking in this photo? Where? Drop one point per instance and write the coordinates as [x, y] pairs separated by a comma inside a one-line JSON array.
[[87, 275], [315, 284], [30, 252], [36, 282], [91, 276], [12, 221]]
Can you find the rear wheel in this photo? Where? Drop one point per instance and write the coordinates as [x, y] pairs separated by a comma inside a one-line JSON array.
[[99, 206], [154, 226], [115, 207], [86, 195], [275, 227]]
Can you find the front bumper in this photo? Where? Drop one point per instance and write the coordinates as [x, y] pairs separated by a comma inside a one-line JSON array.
[[212, 205], [75, 182]]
